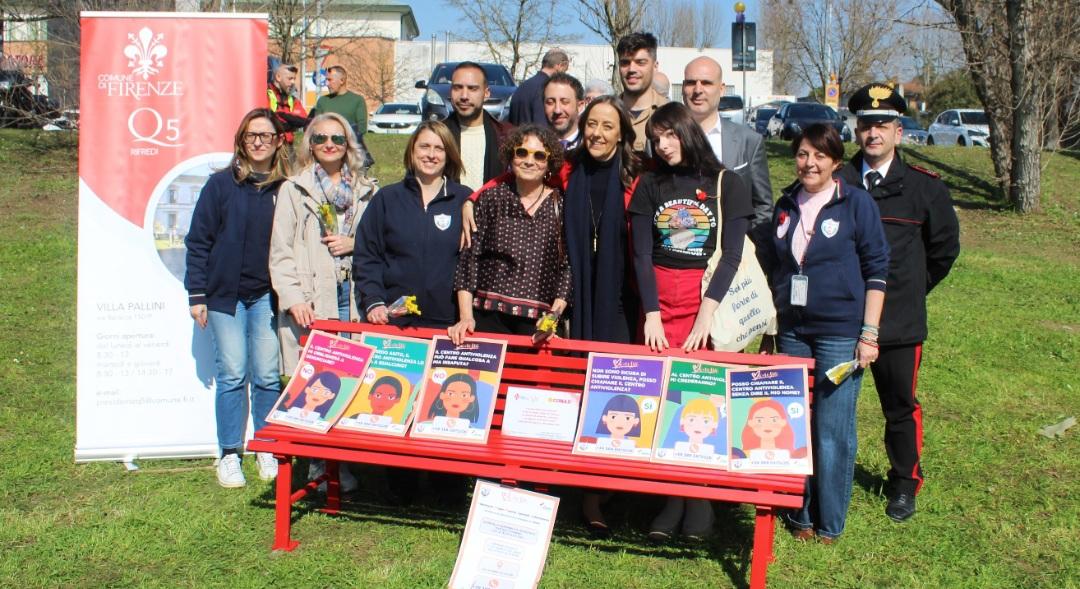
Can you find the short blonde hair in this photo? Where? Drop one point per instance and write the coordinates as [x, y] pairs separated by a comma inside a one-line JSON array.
[[354, 154], [701, 406]]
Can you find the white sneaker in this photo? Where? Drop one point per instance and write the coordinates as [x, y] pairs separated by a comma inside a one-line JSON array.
[[345, 476], [229, 474], [267, 465]]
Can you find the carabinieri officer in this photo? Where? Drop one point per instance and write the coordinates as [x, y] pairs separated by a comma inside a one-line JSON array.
[[924, 237]]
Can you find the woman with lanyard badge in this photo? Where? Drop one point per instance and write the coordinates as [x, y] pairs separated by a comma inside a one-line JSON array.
[[314, 224], [675, 217], [827, 265]]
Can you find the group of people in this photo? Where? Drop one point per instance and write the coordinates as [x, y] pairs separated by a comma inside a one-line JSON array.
[[604, 216]]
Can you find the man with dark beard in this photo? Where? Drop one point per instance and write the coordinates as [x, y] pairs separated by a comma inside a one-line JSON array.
[[477, 133], [564, 98]]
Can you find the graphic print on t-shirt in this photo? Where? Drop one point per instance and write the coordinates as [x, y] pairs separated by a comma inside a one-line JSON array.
[[684, 225]]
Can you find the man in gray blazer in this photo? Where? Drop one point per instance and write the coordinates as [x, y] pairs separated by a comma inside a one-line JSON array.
[[738, 147]]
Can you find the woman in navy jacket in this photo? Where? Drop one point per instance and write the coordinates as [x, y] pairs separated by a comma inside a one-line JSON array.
[[408, 238], [828, 266], [228, 284]]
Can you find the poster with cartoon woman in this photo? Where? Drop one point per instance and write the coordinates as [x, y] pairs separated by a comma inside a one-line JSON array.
[[459, 391], [384, 403], [770, 420], [622, 396], [324, 383], [692, 426]]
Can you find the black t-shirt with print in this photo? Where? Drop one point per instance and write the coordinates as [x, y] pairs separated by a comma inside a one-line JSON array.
[[683, 209]]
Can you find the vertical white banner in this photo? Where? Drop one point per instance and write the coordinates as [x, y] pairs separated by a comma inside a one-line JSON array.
[[161, 96]]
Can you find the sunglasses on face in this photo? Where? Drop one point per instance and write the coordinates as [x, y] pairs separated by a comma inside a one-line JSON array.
[[252, 138], [320, 138], [538, 155]]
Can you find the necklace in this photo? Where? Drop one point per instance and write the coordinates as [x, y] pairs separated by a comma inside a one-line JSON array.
[[535, 201]]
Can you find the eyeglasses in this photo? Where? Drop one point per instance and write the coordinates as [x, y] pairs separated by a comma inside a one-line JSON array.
[[538, 155], [250, 138], [320, 138]]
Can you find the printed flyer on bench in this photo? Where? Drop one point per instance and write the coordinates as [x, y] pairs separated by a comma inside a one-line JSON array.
[[506, 540], [323, 385], [622, 397], [458, 397], [384, 403], [692, 426], [541, 414], [770, 420]]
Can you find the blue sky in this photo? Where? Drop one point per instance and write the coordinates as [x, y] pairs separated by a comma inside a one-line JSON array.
[[435, 17]]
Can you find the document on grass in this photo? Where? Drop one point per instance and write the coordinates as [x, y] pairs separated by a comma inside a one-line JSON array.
[[506, 538]]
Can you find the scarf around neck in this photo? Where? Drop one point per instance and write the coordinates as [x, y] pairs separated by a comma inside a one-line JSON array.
[[340, 195]]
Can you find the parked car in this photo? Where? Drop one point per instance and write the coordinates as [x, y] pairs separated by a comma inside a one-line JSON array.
[[395, 118], [435, 104], [850, 120], [731, 108], [960, 126], [759, 118], [913, 133], [793, 117]]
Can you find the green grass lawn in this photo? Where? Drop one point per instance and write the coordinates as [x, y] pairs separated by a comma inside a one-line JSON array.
[[1001, 506]]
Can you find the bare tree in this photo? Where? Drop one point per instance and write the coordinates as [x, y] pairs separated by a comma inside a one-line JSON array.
[[685, 23], [515, 32], [810, 40], [1018, 75], [612, 20], [384, 75]]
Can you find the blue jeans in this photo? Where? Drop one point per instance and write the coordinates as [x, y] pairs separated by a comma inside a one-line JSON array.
[[832, 427], [246, 351], [343, 289]]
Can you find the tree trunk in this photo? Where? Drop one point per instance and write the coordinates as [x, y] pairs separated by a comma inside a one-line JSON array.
[[1025, 150]]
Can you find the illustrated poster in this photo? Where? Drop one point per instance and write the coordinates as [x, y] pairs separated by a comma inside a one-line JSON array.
[[384, 403], [692, 426], [506, 538], [324, 383], [458, 397], [622, 397], [770, 420]]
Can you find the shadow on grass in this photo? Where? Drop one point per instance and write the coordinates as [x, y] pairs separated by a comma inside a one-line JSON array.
[[988, 197], [871, 482], [628, 515]]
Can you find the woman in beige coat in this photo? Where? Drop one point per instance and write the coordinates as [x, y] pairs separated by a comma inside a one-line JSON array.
[[315, 221]]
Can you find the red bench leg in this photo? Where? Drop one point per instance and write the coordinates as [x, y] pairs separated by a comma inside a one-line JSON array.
[[333, 488], [764, 522], [283, 506]]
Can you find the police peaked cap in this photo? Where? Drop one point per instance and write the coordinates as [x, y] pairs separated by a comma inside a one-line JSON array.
[[877, 103]]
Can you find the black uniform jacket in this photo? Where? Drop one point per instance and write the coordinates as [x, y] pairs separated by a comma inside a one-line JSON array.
[[924, 240]]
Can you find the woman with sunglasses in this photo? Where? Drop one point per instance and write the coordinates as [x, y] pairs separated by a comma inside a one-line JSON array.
[[677, 222], [516, 269], [228, 284], [317, 213]]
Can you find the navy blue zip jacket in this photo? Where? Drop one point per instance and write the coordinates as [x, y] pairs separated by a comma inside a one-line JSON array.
[[847, 255], [402, 249], [216, 241]]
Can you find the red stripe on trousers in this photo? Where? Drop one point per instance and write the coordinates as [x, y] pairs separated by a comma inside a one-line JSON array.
[[917, 416]]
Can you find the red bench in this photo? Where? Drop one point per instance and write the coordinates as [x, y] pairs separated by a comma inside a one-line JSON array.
[[560, 364]]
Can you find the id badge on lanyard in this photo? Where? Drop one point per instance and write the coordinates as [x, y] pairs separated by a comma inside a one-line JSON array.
[[800, 285]]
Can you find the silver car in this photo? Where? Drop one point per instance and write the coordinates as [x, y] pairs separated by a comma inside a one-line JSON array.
[[960, 126], [913, 133]]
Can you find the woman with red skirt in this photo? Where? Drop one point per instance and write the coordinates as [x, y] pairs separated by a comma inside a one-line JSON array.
[[677, 221]]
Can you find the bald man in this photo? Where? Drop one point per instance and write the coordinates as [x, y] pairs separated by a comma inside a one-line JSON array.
[[738, 147], [661, 84]]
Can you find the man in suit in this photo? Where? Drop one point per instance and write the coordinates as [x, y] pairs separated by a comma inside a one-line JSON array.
[[738, 147], [527, 104], [477, 133]]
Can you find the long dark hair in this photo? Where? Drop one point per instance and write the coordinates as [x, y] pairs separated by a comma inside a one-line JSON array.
[[472, 412], [697, 154], [630, 162]]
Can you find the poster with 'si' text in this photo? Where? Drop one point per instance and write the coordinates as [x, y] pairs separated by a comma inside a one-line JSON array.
[[161, 96]]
